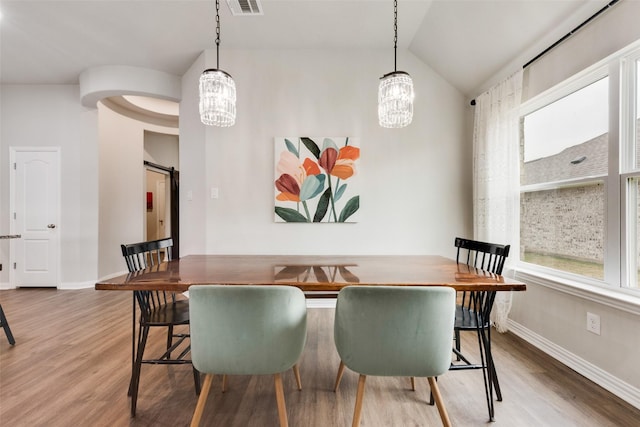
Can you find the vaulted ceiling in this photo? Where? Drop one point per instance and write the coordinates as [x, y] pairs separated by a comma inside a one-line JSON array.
[[465, 41]]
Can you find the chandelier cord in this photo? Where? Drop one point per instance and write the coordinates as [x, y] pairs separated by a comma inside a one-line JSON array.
[[218, 34], [395, 37]]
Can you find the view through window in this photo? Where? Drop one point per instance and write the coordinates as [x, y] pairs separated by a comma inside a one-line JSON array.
[[564, 162], [580, 206]]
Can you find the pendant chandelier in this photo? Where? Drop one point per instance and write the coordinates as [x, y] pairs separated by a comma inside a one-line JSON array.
[[395, 93], [217, 90]]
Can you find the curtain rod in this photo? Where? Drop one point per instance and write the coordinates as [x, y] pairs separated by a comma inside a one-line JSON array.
[[566, 36]]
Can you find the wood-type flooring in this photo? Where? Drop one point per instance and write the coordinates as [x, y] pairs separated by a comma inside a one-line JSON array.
[[72, 359]]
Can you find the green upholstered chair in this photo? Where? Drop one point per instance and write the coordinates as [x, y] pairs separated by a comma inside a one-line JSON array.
[[246, 330], [395, 331]]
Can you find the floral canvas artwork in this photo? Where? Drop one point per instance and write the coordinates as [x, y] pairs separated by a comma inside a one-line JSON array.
[[316, 179]]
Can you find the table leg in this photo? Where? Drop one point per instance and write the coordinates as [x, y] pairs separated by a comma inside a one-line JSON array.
[[484, 336], [133, 341]]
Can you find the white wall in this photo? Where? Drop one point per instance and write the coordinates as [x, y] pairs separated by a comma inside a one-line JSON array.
[[162, 149], [416, 181], [416, 193], [607, 34], [193, 176], [122, 188], [51, 115]]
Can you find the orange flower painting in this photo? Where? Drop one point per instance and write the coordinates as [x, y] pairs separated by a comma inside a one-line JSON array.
[[316, 179]]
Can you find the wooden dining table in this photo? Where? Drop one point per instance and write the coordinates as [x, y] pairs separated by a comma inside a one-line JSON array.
[[312, 274], [324, 276]]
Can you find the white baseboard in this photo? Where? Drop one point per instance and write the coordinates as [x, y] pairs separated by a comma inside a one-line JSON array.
[[617, 386], [321, 303], [64, 285], [6, 285], [76, 285]]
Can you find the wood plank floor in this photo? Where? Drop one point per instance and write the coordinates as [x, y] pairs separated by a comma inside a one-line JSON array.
[[71, 365]]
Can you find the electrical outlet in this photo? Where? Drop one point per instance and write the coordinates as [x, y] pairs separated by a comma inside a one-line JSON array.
[[593, 323]]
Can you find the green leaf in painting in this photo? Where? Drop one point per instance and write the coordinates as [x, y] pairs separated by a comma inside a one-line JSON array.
[[323, 206], [350, 208], [339, 192], [311, 146], [290, 215], [312, 186], [291, 147]]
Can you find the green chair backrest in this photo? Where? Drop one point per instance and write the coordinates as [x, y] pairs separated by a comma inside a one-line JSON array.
[[395, 330], [246, 330]]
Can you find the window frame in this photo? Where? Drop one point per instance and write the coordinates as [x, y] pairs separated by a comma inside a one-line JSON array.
[[620, 248]]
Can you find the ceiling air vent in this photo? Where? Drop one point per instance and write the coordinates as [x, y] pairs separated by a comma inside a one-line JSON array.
[[245, 7]]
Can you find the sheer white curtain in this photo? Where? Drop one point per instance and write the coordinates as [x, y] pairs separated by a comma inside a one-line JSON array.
[[496, 175]]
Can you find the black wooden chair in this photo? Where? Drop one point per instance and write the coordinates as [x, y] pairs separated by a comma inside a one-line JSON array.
[[474, 309], [157, 309], [5, 326]]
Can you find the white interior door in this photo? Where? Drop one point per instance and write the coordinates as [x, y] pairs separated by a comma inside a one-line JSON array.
[[35, 189], [158, 216]]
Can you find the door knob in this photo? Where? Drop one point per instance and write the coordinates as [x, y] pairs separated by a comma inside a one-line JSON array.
[[51, 226]]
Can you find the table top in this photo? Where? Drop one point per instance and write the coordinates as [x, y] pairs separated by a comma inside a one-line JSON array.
[[311, 273]]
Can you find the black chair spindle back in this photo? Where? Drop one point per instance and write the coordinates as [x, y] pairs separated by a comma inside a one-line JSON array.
[[140, 256]]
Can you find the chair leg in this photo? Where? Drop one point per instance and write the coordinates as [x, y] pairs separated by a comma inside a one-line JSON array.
[[359, 396], [492, 367], [224, 383], [339, 376], [5, 326], [135, 376], [431, 400], [444, 416], [202, 400], [136, 346], [296, 373], [457, 341], [486, 371], [169, 339], [282, 409], [133, 344], [496, 384], [196, 381], [413, 383]]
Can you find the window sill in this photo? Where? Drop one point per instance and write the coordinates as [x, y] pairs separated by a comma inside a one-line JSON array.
[[618, 299]]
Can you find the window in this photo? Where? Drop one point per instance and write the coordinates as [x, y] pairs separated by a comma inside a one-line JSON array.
[[580, 176], [563, 162], [632, 199]]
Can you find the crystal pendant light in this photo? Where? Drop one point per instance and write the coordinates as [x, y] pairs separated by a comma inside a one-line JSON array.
[[217, 90], [395, 93]]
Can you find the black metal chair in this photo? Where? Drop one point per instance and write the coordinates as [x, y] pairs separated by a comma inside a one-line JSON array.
[[157, 309], [472, 314], [5, 326]]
